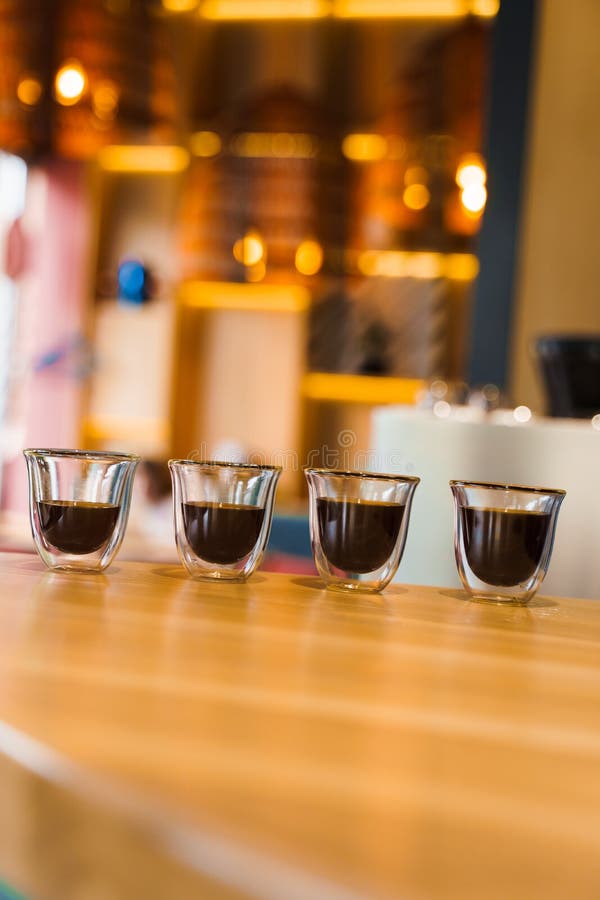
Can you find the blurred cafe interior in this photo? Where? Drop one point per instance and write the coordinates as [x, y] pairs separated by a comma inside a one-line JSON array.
[[359, 233]]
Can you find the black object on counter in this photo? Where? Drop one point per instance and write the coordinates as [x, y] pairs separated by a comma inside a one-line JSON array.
[[570, 367]]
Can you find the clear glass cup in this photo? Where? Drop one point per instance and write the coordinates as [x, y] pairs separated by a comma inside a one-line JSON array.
[[358, 526], [222, 514], [503, 538], [78, 506]]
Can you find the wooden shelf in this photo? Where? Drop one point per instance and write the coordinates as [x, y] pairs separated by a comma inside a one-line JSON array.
[[372, 390], [221, 295]]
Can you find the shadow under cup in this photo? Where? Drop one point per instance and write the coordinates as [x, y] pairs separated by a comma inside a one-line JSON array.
[[358, 526], [503, 538], [78, 506], [222, 514]]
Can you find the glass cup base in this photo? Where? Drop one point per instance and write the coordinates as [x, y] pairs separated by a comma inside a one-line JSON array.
[[353, 587], [499, 599], [235, 578], [78, 570]]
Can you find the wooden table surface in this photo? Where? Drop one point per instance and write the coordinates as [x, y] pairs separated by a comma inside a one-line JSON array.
[[162, 739]]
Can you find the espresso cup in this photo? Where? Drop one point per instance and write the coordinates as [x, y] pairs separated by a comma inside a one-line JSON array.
[[222, 514], [503, 538], [78, 506], [358, 526]]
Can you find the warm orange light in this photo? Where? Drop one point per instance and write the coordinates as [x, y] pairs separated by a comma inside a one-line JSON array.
[[256, 272], [205, 143], [470, 170], [400, 8], [105, 99], [312, 9], [264, 9], [333, 387], [179, 5], [413, 264], [143, 159], [309, 257], [364, 147], [220, 295], [29, 90], [278, 145], [416, 196], [70, 83], [473, 198], [487, 9], [250, 249], [461, 266], [414, 9]]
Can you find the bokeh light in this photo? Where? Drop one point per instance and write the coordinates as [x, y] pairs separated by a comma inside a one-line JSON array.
[[470, 171], [29, 90], [180, 5], [309, 257], [416, 196], [205, 143], [250, 249], [105, 100], [522, 414], [364, 147], [473, 198], [70, 83]]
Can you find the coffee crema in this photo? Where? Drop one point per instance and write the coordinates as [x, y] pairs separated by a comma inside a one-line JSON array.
[[504, 547], [222, 533], [358, 536], [77, 526]]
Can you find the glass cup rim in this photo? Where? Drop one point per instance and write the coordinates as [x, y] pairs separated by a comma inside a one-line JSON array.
[[222, 464], [62, 453], [497, 485], [346, 473]]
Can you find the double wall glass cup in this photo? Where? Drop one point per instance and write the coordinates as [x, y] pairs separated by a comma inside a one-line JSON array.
[[78, 506], [222, 515], [503, 538], [358, 526]]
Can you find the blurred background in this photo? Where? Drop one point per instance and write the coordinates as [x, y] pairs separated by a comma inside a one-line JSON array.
[[239, 228]]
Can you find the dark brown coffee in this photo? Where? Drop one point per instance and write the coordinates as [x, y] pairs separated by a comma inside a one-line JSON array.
[[77, 526], [358, 536], [504, 547], [222, 533]]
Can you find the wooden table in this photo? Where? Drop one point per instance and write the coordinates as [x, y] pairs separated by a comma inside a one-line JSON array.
[[162, 739]]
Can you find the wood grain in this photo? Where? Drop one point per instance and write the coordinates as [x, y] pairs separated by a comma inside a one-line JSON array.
[[163, 738]]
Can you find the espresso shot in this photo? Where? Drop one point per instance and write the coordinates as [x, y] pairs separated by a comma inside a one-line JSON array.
[[358, 535], [504, 546], [358, 526], [222, 513], [83, 534], [77, 526], [222, 533], [503, 538]]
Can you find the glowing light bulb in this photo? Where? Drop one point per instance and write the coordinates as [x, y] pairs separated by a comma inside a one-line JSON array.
[[473, 198], [70, 83], [250, 249], [470, 170]]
